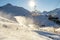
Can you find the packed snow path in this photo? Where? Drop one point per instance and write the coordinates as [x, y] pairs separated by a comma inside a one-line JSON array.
[[50, 35]]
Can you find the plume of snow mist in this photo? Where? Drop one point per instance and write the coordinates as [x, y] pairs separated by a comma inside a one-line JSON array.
[[26, 22], [7, 15]]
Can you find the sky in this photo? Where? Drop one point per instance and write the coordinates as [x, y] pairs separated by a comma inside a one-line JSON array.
[[42, 5]]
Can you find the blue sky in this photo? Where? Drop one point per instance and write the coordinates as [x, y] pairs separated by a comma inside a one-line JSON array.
[[42, 5]]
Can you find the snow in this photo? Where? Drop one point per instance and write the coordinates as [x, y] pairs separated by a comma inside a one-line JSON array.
[[19, 32], [25, 34], [27, 27], [11, 34], [50, 35], [43, 20]]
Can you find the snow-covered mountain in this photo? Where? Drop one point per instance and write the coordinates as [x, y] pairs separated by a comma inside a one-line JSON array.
[[44, 13], [14, 10], [43, 20], [55, 12]]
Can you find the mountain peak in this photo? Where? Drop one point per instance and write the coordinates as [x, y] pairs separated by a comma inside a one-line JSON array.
[[8, 5]]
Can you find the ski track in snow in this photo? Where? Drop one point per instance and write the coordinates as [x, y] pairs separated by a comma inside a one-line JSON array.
[[49, 35]]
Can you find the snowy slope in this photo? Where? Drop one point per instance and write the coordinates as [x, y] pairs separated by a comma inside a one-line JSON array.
[[17, 32], [25, 34], [7, 34]]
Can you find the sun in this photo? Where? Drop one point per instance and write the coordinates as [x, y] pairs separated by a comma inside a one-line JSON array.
[[31, 3]]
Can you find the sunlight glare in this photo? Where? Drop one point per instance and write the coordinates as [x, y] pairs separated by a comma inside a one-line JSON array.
[[31, 3]]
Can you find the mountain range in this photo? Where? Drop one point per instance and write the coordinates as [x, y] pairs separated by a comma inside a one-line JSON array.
[[12, 11]]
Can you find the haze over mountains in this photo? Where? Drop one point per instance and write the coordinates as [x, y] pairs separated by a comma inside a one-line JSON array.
[[20, 11], [10, 11]]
